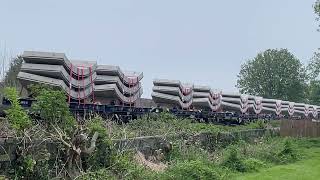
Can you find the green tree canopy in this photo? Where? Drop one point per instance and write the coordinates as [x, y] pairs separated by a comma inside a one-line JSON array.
[[316, 8], [273, 74], [10, 78], [314, 92]]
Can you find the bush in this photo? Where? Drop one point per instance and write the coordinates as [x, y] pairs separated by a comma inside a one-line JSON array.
[[252, 164], [233, 161], [103, 155], [18, 118], [32, 167], [53, 109], [191, 170], [288, 153], [239, 158]]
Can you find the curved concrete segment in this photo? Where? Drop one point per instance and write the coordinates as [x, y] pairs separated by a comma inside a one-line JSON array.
[[130, 78], [184, 88], [167, 99], [175, 91], [104, 79], [232, 100], [36, 57], [27, 78], [257, 106], [58, 72], [80, 79]]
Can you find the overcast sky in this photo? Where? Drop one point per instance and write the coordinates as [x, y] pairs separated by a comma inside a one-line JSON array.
[[201, 42]]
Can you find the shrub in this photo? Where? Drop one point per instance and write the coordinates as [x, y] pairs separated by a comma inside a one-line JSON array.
[[103, 155], [18, 118], [31, 167], [233, 161], [288, 153], [53, 109], [253, 164]]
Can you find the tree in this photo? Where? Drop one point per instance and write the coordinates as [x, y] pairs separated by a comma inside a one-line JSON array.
[[314, 92], [314, 84], [316, 8], [273, 74], [10, 78]]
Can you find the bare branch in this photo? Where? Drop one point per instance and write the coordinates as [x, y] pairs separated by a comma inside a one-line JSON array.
[[93, 144], [60, 137]]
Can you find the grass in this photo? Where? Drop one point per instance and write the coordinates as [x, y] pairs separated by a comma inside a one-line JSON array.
[[306, 169]]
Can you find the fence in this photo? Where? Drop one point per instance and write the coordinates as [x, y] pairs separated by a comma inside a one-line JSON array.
[[300, 128]]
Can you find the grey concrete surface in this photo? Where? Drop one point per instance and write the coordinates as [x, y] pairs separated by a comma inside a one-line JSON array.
[[80, 78]]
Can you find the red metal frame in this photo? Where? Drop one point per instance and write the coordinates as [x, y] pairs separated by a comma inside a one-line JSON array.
[[70, 83], [78, 85], [92, 85], [80, 69], [132, 83]]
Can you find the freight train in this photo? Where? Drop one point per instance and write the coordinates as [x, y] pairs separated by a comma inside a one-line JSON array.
[[112, 92]]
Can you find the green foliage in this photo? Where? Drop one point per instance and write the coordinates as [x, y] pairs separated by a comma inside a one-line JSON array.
[[273, 74], [97, 125], [314, 92], [288, 153], [28, 164], [191, 170], [125, 167], [233, 161], [11, 75], [16, 115], [104, 153], [259, 124], [316, 8], [252, 164], [183, 152], [272, 151], [168, 124], [307, 168], [36, 89], [100, 174], [33, 166], [52, 107]]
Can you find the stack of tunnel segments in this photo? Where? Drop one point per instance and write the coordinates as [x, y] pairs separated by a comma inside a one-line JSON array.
[[236, 102], [183, 95], [81, 79], [172, 93], [205, 97]]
